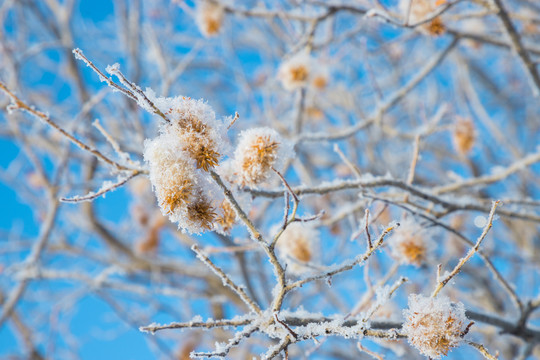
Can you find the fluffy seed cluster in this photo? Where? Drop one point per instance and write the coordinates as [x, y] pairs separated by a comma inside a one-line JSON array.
[[258, 151], [297, 245], [179, 160], [410, 244], [209, 17], [226, 217], [434, 325], [420, 10], [464, 136], [301, 70]]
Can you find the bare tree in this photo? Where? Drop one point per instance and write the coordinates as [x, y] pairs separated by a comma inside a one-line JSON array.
[[274, 179]]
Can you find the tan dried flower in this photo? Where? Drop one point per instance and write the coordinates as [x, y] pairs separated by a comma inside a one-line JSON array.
[[176, 193], [198, 140], [295, 72], [258, 151], [409, 244], [436, 26], [301, 70], [150, 242], [226, 217], [421, 10], [320, 81], [434, 325], [209, 17], [202, 213], [464, 136], [297, 245], [204, 156], [189, 146]]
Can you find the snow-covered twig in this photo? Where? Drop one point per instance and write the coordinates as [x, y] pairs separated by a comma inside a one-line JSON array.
[[442, 282], [226, 280], [17, 103], [105, 188]]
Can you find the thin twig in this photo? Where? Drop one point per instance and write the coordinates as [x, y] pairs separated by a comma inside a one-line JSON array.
[[19, 104], [414, 160], [152, 328], [94, 195], [368, 235], [481, 348], [285, 326], [236, 116], [358, 260], [226, 280], [517, 44], [442, 282]]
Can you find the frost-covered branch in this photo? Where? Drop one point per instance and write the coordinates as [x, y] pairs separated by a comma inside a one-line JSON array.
[[442, 281], [18, 104], [226, 280]]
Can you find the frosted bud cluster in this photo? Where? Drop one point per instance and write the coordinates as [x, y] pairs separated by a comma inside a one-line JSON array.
[[209, 17], [410, 244], [420, 10], [179, 160], [258, 151], [434, 325], [297, 245], [301, 70]]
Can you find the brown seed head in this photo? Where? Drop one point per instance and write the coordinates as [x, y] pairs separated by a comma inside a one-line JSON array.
[[205, 157], [464, 136], [434, 325], [202, 213], [175, 196], [299, 73], [436, 27], [261, 156], [227, 216], [414, 251], [320, 82], [212, 26], [300, 250]]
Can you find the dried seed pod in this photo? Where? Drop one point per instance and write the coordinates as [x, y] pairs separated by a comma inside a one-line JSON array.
[[257, 152], [209, 17], [421, 10], [302, 70], [434, 325], [464, 136], [226, 216], [297, 244], [410, 244]]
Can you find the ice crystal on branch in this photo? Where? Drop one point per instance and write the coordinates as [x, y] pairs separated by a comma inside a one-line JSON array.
[[258, 151], [410, 244], [434, 325]]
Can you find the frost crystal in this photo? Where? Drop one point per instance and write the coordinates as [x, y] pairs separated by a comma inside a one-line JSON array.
[[297, 244], [434, 325], [257, 152], [410, 244]]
